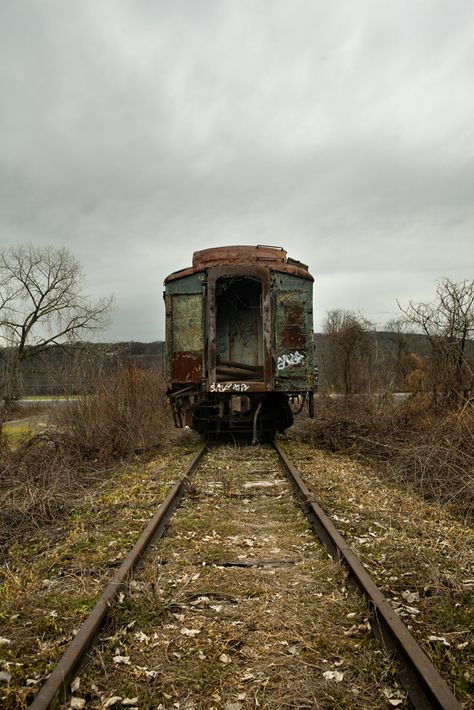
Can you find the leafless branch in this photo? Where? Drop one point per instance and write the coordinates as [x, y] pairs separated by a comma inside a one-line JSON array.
[[42, 302]]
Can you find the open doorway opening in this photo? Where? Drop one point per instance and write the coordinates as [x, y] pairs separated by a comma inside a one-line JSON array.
[[239, 329]]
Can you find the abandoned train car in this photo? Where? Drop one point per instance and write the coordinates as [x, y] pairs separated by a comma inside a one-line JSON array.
[[239, 340]]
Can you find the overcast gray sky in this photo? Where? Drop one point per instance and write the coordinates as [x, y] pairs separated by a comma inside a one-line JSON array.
[[137, 131]]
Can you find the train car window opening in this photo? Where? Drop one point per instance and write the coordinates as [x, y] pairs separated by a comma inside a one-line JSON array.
[[239, 329]]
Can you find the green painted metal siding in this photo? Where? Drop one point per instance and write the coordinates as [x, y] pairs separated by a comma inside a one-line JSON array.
[[293, 356], [187, 322], [184, 329], [187, 284]]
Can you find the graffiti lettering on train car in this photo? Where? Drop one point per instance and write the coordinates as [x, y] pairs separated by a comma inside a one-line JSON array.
[[229, 387], [285, 361]]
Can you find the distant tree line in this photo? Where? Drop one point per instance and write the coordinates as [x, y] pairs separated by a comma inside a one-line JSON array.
[[72, 369], [437, 360]]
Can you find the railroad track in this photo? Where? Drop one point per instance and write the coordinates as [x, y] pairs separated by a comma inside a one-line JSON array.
[[258, 499]]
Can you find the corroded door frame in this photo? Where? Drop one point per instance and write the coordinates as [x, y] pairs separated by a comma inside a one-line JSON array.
[[242, 271]]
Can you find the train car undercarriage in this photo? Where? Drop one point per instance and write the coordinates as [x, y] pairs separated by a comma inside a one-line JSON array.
[[256, 414]]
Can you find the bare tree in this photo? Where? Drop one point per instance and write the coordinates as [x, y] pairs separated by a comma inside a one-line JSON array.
[[42, 304], [448, 324], [395, 360], [351, 350]]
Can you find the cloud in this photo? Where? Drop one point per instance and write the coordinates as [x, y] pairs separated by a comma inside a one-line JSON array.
[[137, 132]]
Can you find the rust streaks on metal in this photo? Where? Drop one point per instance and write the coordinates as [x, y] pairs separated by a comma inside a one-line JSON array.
[[272, 257], [58, 683], [186, 367], [293, 333], [238, 254], [424, 685]]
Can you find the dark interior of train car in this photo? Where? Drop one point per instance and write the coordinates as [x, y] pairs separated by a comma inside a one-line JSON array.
[[239, 329]]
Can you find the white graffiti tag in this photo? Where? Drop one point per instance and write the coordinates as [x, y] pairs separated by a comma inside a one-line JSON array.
[[228, 387], [285, 361]]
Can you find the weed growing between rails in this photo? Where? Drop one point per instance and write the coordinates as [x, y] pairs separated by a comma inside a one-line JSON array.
[[239, 607]]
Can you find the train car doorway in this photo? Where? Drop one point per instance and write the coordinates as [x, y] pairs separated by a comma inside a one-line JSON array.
[[239, 329]]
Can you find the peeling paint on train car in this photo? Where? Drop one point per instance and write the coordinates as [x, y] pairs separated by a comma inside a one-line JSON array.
[[292, 325], [187, 322], [185, 329], [293, 341]]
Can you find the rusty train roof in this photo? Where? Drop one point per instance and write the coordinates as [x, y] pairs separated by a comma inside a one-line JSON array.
[[274, 258]]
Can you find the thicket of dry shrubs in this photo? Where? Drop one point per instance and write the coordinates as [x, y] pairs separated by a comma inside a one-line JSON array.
[[429, 450], [42, 475], [127, 414]]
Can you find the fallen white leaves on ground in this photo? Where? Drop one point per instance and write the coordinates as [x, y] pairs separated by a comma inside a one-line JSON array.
[[439, 638], [333, 675], [394, 697], [122, 659], [189, 632]]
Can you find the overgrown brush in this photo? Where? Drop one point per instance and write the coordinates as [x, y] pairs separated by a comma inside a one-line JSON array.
[[127, 413], [39, 479], [431, 452], [43, 474]]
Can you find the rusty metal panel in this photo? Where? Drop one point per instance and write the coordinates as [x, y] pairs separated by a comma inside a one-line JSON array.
[[239, 254], [187, 337], [168, 336], [291, 320], [290, 282], [186, 367], [242, 255], [293, 317]]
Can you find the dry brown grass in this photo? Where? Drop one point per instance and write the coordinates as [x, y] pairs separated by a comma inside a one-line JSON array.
[[39, 479], [411, 444], [42, 475], [23, 410], [413, 549], [126, 414]]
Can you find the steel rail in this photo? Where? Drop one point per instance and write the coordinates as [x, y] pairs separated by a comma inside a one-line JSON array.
[[424, 685], [56, 686]]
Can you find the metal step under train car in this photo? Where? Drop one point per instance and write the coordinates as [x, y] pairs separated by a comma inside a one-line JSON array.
[[239, 340]]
